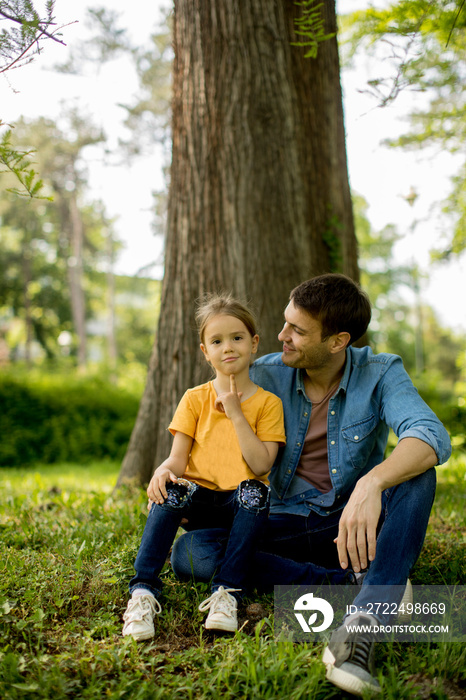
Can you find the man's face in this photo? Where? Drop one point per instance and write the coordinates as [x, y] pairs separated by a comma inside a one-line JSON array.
[[302, 340]]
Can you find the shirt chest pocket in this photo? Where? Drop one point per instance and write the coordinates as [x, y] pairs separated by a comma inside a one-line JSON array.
[[359, 439]]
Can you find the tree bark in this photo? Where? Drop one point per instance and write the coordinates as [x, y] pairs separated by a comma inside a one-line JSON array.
[[112, 350], [75, 276], [259, 197], [26, 265]]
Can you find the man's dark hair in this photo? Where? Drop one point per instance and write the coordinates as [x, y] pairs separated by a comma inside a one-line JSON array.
[[337, 302]]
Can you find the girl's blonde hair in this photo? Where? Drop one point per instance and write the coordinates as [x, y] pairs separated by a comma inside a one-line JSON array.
[[226, 305]]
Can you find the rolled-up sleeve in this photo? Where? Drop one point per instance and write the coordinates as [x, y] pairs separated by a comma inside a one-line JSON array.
[[408, 415]]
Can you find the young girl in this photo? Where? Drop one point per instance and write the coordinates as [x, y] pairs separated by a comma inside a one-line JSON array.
[[226, 437]]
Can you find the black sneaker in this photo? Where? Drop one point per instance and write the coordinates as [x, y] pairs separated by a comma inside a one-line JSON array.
[[349, 658]]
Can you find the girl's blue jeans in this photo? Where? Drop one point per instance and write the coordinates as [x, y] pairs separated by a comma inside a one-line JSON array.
[[241, 514]]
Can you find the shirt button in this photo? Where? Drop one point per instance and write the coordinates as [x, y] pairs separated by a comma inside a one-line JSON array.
[[356, 437], [288, 471], [332, 442], [306, 415], [332, 413], [334, 471], [299, 444]]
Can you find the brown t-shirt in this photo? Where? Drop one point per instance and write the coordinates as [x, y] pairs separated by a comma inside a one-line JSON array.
[[313, 463]]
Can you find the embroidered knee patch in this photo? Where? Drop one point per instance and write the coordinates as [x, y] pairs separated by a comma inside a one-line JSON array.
[[254, 494], [178, 494]]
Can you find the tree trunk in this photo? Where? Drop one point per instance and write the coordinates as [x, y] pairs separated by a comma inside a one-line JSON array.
[[26, 265], [111, 336], [75, 276], [259, 197]]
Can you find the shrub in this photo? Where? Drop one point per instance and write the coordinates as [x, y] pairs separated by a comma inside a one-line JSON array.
[[56, 419]]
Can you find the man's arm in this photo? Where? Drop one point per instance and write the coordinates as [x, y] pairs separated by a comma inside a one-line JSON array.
[[356, 540]]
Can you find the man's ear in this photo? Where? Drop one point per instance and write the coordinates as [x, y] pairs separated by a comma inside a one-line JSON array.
[[340, 342]]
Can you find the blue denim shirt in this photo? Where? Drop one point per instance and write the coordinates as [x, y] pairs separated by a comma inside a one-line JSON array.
[[374, 395]]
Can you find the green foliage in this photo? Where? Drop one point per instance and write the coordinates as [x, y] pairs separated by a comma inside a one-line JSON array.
[[18, 163], [50, 420], [395, 322], [67, 548], [38, 243], [443, 559], [21, 37], [423, 42], [310, 26], [34, 282], [137, 306], [455, 210], [23, 31]]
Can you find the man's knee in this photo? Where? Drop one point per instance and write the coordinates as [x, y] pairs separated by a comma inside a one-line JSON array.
[[415, 497], [430, 479], [253, 494], [421, 487]]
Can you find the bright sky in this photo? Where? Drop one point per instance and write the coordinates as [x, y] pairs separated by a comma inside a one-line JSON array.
[[382, 176]]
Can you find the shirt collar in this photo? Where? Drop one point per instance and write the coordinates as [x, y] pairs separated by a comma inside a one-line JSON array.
[[347, 372]]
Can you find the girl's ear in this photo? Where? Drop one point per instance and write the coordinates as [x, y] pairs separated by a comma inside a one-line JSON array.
[[204, 350], [255, 344]]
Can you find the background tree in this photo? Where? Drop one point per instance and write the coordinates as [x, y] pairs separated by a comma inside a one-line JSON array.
[[59, 156], [395, 325], [49, 245], [259, 197], [423, 44]]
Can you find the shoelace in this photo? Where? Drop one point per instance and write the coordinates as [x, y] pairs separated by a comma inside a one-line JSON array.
[[361, 652], [221, 601], [141, 606]]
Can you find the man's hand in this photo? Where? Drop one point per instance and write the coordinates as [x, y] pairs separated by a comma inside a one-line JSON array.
[[156, 490], [358, 526], [230, 401], [359, 520]]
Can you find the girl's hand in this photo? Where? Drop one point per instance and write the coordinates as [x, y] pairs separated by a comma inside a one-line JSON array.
[[230, 401], [156, 490]]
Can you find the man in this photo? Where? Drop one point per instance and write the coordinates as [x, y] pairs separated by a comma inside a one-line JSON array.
[[331, 484]]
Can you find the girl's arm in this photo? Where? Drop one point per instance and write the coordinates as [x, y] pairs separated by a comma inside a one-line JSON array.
[[172, 468], [258, 455]]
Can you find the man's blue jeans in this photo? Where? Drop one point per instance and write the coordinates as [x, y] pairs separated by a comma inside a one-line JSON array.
[[242, 515], [291, 542]]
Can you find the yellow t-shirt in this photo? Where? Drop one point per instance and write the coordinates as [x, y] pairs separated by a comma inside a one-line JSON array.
[[216, 461]]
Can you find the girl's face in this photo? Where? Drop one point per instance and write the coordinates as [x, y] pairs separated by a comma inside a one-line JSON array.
[[228, 345]]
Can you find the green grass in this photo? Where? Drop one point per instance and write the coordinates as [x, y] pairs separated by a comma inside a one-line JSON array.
[[67, 548]]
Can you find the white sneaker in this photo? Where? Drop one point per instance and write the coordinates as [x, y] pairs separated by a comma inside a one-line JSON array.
[[139, 617], [222, 610]]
